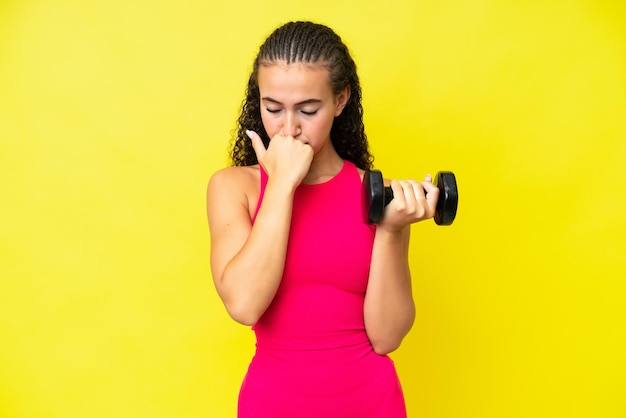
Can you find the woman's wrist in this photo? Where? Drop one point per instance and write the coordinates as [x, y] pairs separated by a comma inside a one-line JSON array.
[[390, 233]]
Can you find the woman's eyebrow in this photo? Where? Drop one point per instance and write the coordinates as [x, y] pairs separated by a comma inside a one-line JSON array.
[[304, 102]]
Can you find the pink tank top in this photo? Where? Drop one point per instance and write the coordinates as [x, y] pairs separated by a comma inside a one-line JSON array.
[[319, 303], [313, 358]]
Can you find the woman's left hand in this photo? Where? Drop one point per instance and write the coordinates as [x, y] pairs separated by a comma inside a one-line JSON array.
[[413, 201]]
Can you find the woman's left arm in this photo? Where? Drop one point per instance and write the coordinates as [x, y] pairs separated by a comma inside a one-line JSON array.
[[389, 310]]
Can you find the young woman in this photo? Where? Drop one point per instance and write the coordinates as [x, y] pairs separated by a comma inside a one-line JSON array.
[[328, 295]]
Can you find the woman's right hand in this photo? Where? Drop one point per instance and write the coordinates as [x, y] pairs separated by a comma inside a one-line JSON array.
[[286, 158]]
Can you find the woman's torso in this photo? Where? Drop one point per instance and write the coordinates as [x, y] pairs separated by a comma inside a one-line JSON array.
[[311, 341]]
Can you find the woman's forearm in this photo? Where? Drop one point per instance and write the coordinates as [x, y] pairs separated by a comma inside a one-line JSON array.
[[250, 279], [389, 309]]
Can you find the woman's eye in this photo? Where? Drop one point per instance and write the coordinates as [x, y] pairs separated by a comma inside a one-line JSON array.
[[309, 112], [272, 110]]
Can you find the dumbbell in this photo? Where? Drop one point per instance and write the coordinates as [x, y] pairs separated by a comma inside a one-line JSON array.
[[376, 196]]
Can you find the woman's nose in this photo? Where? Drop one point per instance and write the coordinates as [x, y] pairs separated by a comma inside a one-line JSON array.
[[291, 125]]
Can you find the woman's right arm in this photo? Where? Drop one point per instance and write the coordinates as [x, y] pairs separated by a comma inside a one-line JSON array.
[[247, 261]]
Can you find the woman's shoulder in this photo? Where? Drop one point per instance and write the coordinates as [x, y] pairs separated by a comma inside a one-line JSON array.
[[239, 175], [239, 185]]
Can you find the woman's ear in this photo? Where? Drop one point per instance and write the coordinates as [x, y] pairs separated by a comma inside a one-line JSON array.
[[342, 100]]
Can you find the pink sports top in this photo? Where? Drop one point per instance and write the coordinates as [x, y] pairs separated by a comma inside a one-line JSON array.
[[313, 357]]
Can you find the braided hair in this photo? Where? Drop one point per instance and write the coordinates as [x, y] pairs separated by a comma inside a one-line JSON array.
[[307, 42]]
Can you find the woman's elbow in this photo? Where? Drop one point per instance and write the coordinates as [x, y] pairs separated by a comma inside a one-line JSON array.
[[385, 341], [243, 314], [383, 348], [240, 307]]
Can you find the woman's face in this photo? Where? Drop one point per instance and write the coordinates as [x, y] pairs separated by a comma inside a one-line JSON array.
[[297, 100]]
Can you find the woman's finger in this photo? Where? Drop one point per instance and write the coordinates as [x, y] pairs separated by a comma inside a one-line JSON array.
[[432, 192], [257, 145]]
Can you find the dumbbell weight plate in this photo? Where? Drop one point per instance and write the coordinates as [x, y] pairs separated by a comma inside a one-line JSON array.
[[373, 196], [448, 198]]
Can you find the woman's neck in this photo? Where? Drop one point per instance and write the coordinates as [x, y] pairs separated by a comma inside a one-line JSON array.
[[326, 164]]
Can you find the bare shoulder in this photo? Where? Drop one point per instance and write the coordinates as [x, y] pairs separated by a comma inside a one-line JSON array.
[[234, 186], [230, 176]]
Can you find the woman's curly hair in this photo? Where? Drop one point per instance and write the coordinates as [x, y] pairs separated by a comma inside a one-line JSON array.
[[313, 43]]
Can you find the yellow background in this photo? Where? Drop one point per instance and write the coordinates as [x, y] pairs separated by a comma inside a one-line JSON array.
[[114, 114]]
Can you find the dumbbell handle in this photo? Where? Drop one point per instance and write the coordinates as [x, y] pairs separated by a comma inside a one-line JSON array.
[[389, 194]]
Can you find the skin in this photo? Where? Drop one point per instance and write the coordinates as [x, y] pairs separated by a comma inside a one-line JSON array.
[[298, 108]]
